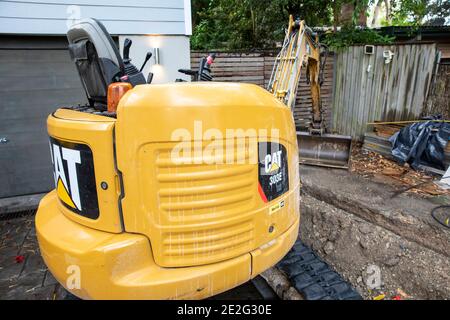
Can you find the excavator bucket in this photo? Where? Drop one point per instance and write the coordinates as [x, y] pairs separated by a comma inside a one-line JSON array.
[[327, 150]]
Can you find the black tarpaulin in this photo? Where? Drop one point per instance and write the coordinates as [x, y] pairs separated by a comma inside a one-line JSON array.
[[422, 143]]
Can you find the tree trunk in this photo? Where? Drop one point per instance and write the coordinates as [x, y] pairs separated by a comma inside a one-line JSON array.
[[336, 20], [387, 4], [362, 7], [362, 17], [376, 14], [347, 13]]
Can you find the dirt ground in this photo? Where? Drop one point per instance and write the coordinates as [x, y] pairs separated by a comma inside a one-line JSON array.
[[359, 250], [360, 224]]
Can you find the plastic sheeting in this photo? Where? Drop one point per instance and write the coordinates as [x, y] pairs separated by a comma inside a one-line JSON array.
[[421, 144]]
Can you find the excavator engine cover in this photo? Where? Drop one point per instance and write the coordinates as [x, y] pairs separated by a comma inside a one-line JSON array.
[[191, 190]]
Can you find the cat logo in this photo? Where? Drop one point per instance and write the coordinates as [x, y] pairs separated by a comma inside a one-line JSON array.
[[73, 170], [273, 175], [65, 182], [272, 162]]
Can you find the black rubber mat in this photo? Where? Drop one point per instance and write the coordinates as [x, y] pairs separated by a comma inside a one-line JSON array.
[[314, 278]]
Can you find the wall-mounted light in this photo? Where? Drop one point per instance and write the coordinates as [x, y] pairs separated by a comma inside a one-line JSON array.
[[157, 57], [388, 55]]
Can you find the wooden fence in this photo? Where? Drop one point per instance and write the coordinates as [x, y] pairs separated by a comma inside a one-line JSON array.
[[256, 67], [358, 88], [368, 89]]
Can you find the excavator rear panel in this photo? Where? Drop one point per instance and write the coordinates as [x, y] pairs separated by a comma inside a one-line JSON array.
[[148, 205]]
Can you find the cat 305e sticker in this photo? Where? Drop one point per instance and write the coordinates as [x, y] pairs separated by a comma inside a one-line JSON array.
[[73, 168], [272, 170]]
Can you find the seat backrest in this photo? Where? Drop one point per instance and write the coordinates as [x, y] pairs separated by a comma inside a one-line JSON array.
[[97, 59]]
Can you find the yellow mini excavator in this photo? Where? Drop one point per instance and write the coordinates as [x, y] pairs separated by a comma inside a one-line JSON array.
[[174, 191]]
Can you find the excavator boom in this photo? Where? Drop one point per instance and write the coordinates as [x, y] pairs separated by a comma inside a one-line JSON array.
[[301, 49]]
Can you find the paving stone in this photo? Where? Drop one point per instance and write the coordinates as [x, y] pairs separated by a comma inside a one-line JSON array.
[[7, 255], [42, 293], [32, 279], [33, 263], [63, 294], [19, 292], [26, 280], [11, 270], [49, 279], [32, 233]]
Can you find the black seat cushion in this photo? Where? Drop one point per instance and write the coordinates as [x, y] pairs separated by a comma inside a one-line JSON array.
[[96, 74]]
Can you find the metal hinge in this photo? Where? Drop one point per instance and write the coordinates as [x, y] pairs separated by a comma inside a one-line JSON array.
[[3, 140]]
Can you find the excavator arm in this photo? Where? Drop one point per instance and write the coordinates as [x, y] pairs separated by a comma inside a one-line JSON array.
[[301, 49]]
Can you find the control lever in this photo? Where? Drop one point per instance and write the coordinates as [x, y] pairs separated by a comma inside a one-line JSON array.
[[149, 78], [126, 50], [188, 72], [132, 74], [147, 57]]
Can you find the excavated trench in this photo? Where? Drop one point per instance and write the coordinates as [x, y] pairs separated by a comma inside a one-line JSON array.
[[385, 247]]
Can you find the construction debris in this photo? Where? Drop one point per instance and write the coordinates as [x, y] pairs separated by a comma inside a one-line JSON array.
[[374, 165]]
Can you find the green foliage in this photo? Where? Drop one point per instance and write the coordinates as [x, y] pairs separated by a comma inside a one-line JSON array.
[[409, 12], [247, 24], [244, 24], [348, 36], [439, 10]]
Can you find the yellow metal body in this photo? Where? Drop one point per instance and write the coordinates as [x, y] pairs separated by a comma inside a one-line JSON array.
[[169, 230]]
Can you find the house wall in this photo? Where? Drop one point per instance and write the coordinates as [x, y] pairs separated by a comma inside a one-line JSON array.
[[174, 54], [53, 17], [42, 77]]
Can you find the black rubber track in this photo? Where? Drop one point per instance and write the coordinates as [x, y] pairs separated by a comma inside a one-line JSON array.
[[314, 278]]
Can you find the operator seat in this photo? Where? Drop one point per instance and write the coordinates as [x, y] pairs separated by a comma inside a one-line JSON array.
[[97, 60]]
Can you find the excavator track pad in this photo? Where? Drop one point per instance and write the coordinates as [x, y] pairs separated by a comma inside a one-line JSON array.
[[313, 278]]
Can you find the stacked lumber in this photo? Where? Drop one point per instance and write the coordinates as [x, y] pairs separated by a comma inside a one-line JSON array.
[[378, 144], [387, 130]]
